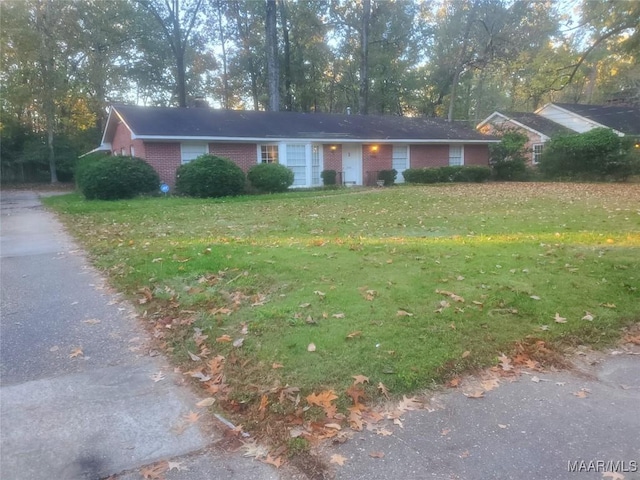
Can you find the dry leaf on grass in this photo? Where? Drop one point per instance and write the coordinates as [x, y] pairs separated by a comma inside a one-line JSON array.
[[559, 319], [277, 365], [311, 347], [360, 379]]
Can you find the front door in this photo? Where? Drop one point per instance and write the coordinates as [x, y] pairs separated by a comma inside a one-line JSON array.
[[352, 164]]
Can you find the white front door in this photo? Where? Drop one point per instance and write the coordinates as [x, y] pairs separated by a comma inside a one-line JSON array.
[[352, 164]]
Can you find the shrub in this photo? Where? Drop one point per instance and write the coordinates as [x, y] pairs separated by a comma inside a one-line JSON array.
[[83, 166], [210, 176], [508, 158], [114, 178], [475, 174], [329, 177], [596, 154], [389, 176], [270, 177]]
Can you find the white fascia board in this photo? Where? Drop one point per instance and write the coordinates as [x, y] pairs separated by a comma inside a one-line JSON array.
[[488, 119], [588, 120], [171, 138], [106, 128]]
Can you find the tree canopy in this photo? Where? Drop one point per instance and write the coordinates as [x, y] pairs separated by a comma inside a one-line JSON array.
[[64, 61]]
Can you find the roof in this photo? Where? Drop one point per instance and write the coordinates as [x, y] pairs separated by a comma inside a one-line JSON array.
[[625, 119], [537, 122], [166, 123]]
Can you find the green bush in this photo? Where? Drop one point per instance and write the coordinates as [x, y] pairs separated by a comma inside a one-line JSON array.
[[114, 178], [594, 155], [328, 177], [270, 177], [210, 176], [508, 159], [389, 176], [84, 164], [474, 173]]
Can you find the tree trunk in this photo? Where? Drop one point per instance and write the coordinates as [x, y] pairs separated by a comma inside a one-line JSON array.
[[288, 98], [363, 99], [225, 75], [273, 74]]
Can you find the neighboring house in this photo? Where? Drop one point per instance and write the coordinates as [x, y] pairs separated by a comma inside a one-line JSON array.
[[356, 146], [556, 118], [537, 129]]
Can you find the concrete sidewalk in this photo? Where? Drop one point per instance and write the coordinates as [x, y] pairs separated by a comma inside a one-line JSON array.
[[77, 398]]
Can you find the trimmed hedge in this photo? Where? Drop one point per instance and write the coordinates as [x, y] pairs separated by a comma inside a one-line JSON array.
[[473, 174], [389, 176], [270, 177], [328, 177], [115, 178], [210, 176]]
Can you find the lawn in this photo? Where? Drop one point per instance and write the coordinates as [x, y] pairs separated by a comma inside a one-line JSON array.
[[408, 286]]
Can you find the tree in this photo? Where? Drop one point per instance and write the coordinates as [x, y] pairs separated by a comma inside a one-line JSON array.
[[177, 23], [273, 71]]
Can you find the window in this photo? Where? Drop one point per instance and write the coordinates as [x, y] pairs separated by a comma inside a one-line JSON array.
[[133, 151], [400, 160], [191, 151], [268, 153], [297, 163], [537, 152], [123, 152], [455, 155], [315, 165]]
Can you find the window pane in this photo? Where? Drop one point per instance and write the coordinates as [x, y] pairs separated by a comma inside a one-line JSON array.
[[315, 165], [191, 151], [297, 162], [269, 153], [455, 155]]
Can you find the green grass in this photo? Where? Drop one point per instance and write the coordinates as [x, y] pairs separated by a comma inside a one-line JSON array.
[[575, 246]]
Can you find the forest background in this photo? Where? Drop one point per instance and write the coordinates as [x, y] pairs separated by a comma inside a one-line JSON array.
[[65, 61]]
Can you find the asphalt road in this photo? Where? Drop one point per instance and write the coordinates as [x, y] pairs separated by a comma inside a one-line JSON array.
[[77, 400]]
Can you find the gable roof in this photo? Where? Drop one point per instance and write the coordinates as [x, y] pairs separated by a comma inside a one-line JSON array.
[[206, 124], [531, 121], [624, 119]]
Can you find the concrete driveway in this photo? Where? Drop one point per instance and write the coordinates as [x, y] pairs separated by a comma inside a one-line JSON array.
[[77, 397]]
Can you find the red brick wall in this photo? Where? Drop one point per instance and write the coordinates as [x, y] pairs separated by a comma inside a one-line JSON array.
[[476, 155], [165, 158], [429, 156], [332, 159], [245, 155], [374, 161]]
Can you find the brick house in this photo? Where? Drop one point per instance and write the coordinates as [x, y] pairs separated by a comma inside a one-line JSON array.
[[562, 118], [355, 146]]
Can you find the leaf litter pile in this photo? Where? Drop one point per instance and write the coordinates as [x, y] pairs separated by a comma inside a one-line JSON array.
[[301, 317]]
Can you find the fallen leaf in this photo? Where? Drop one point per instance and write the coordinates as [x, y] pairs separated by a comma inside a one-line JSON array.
[[338, 315], [155, 472], [207, 402], [360, 379], [587, 316], [608, 305], [475, 394], [490, 384], [264, 401], [319, 293], [311, 347], [276, 462], [445, 432], [92, 321], [409, 404], [376, 455], [238, 342], [454, 382], [176, 466], [355, 334], [505, 363], [383, 390], [224, 338], [404, 313], [582, 393], [156, 377], [193, 357], [559, 319], [501, 425], [535, 297], [277, 365], [304, 305], [466, 354], [464, 454], [613, 475], [55, 348], [535, 379], [192, 417], [76, 352], [338, 459]]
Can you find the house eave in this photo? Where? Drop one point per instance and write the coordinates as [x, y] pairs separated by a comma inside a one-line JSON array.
[[543, 137], [588, 120], [327, 140]]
